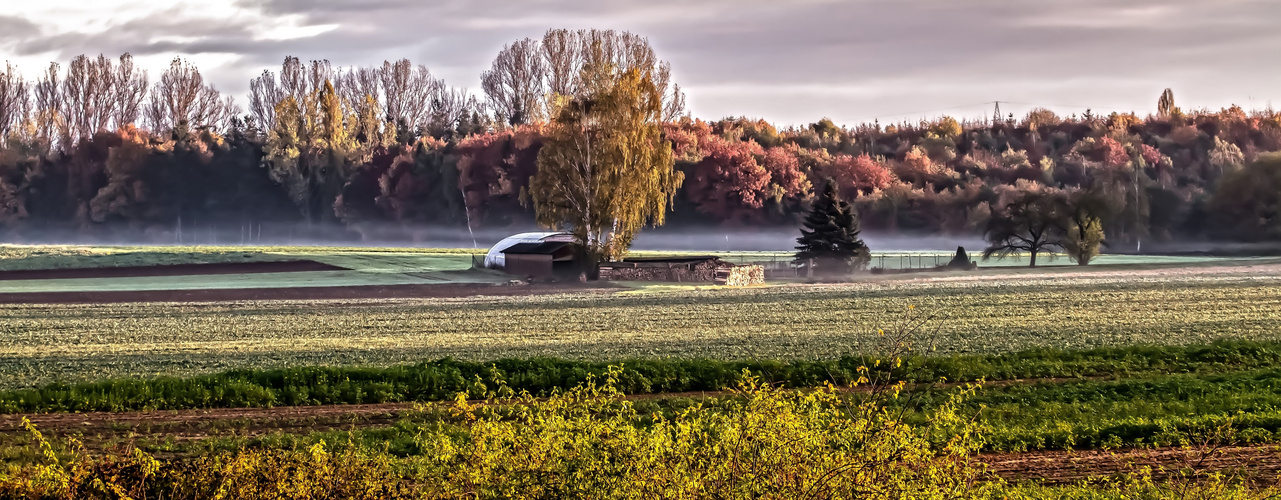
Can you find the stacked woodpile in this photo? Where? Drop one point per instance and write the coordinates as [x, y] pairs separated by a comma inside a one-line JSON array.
[[704, 271], [746, 276]]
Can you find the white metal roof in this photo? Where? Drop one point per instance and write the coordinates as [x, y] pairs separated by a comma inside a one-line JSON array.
[[494, 259]]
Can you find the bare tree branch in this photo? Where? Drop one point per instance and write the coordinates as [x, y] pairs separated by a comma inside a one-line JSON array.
[[181, 98], [408, 91], [514, 83], [264, 96], [15, 101], [87, 95], [49, 122], [130, 90]]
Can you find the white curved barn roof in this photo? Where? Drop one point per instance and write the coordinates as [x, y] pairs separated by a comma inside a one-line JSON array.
[[494, 259]]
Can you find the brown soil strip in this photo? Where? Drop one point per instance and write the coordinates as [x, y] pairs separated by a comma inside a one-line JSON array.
[[287, 266], [110, 419], [296, 293], [1058, 467]]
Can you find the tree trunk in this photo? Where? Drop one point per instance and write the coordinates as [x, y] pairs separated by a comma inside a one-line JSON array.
[[1033, 263]]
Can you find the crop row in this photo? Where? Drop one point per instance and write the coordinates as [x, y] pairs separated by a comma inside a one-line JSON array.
[[443, 379], [41, 344]]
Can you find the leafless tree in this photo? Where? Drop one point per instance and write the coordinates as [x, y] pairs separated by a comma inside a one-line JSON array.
[[449, 107], [527, 91], [627, 51], [407, 91], [402, 91], [296, 80], [264, 95], [318, 72], [600, 48], [130, 90], [94, 94], [514, 85], [563, 54], [48, 111], [293, 78], [87, 95], [356, 85], [181, 97], [674, 105], [15, 101]]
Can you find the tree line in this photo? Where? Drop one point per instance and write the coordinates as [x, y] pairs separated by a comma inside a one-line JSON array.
[[98, 147]]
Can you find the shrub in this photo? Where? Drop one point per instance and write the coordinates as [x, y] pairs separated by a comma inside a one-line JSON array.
[[586, 442]]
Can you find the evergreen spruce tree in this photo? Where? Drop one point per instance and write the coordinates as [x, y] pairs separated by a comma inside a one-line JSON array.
[[829, 239]]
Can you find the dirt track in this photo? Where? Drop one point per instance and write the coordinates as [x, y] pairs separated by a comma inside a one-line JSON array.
[[1069, 466], [286, 266]]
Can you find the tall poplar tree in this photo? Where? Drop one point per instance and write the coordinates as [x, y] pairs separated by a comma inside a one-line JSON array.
[[829, 240], [310, 150]]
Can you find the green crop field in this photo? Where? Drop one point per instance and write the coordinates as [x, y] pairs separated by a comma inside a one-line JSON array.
[[365, 259], [977, 313], [366, 266], [25, 257]]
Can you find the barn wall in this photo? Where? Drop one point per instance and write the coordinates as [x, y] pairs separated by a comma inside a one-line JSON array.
[[538, 266]]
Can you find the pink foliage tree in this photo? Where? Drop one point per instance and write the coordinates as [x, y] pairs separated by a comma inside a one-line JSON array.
[[729, 183]]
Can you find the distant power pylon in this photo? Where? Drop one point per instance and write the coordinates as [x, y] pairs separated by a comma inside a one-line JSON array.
[[996, 113]]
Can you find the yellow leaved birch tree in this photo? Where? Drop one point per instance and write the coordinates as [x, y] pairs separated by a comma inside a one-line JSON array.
[[605, 170]]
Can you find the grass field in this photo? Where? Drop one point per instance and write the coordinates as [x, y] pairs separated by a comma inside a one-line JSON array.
[[380, 266], [898, 259], [997, 313], [367, 266]]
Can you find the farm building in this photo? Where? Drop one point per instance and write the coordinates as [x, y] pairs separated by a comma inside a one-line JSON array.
[[494, 258], [550, 259], [538, 255], [557, 255]]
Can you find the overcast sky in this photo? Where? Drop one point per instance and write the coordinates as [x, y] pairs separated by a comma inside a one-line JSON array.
[[790, 62]]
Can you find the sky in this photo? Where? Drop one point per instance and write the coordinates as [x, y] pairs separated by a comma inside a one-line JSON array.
[[790, 62]]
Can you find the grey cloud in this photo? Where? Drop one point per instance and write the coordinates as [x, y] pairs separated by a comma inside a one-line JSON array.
[[786, 61], [14, 28]]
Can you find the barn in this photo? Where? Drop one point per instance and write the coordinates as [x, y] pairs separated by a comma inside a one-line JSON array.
[[549, 259], [537, 255]]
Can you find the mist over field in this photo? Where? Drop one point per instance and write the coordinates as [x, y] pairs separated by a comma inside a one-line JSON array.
[[711, 238], [702, 239]]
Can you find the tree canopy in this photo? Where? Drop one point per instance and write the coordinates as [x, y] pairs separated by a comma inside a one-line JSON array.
[[1033, 222], [1249, 200], [604, 170], [97, 146]]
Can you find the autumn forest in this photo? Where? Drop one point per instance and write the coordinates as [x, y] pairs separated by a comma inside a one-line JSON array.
[[97, 146]]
